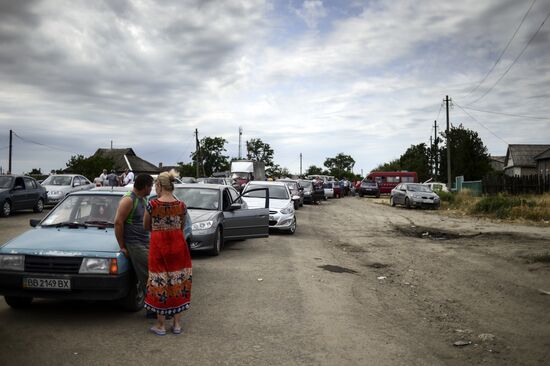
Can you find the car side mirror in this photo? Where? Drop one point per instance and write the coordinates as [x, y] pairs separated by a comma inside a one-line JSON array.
[[235, 206], [34, 222]]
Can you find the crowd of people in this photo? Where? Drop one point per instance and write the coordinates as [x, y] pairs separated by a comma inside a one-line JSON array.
[[112, 179]]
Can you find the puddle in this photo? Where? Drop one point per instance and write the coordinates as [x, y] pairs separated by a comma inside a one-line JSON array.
[[337, 269], [377, 265], [350, 248], [427, 233]]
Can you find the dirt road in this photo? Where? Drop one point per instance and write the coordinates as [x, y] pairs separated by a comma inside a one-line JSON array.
[[359, 284]]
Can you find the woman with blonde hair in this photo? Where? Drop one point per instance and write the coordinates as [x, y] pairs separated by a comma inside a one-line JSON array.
[[170, 271]]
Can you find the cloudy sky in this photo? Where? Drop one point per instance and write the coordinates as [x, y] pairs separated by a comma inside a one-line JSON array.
[[366, 78]]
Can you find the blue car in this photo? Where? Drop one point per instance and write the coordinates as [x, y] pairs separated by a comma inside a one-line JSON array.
[[71, 254]]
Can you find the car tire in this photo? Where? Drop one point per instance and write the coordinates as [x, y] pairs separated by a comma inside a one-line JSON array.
[[292, 228], [18, 302], [6, 209], [134, 300], [378, 195], [301, 203], [361, 194], [39, 206], [407, 202], [218, 244], [392, 201], [296, 205]]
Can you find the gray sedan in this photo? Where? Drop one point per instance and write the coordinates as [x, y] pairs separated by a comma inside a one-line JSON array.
[[59, 185], [414, 195], [219, 214]]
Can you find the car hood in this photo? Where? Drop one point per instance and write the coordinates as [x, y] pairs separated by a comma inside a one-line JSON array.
[[425, 194], [57, 188], [274, 204], [202, 215], [63, 242]]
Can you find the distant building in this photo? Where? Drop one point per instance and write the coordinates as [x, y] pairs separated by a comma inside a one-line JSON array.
[[543, 163], [520, 159], [497, 162], [127, 159]]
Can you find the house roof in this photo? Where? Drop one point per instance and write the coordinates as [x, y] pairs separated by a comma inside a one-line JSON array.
[[524, 155], [127, 159], [500, 159], [544, 155]]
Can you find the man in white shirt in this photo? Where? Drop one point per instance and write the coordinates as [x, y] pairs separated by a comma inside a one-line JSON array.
[[128, 177], [103, 178]]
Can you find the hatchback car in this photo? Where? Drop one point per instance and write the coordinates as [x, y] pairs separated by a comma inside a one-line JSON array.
[[20, 193], [281, 207], [296, 190], [414, 195], [71, 254], [219, 214], [369, 188], [59, 185]]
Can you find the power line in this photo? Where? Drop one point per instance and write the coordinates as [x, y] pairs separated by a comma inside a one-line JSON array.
[[481, 124], [508, 114], [39, 144], [503, 51], [514, 62]]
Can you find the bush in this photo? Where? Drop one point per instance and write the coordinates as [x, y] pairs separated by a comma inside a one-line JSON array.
[[446, 196], [503, 206]]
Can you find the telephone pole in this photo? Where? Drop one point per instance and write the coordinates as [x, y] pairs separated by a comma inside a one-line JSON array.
[[300, 164], [436, 151], [9, 164], [449, 184], [240, 134], [197, 150]]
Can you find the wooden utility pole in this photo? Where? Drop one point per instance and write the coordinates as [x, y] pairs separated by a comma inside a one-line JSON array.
[[9, 163], [300, 164], [197, 151], [436, 152], [449, 184]]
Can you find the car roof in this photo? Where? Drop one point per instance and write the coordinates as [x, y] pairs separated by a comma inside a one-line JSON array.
[[65, 175], [201, 185], [116, 191], [266, 183]]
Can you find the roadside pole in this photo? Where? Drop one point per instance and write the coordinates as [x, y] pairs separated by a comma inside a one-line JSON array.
[[449, 185]]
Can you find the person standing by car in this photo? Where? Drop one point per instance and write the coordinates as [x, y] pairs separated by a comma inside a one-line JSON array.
[[112, 179], [130, 234], [170, 269], [103, 176]]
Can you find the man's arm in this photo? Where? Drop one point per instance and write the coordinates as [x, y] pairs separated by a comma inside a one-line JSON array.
[[147, 221], [124, 208]]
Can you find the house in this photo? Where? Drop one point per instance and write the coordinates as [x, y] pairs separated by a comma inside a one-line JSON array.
[[543, 163], [497, 162], [520, 159], [127, 159]]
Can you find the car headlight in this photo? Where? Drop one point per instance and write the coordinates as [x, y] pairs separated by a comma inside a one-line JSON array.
[[12, 262], [287, 210], [203, 225], [97, 265], [418, 196]]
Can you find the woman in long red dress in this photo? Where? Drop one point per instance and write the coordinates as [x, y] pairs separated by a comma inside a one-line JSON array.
[[170, 270]]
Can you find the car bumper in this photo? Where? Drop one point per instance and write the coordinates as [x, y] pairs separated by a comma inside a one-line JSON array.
[[53, 200], [419, 202], [203, 241], [83, 287], [280, 221], [369, 192]]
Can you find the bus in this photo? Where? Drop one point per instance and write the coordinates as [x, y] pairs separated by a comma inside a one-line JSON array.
[[388, 180]]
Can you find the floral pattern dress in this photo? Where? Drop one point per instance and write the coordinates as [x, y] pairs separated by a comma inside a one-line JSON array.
[[170, 270]]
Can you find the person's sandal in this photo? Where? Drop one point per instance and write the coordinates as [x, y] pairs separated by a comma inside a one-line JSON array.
[[176, 330], [157, 331]]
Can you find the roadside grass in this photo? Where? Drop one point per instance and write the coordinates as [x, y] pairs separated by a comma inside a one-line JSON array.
[[523, 207], [540, 258]]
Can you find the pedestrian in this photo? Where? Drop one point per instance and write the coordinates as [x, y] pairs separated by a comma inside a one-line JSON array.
[[128, 177], [103, 177], [131, 236], [170, 269], [98, 182], [112, 179]]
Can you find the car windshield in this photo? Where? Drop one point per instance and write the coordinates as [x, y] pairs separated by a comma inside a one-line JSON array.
[[188, 180], [291, 185], [91, 209], [418, 188], [275, 192], [306, 184], [5, 182], [57, 180], [370, 184], [213, 180], [199, 198], [239, 175]]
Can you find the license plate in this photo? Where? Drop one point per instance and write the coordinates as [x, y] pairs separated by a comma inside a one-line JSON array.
[[47, 283]]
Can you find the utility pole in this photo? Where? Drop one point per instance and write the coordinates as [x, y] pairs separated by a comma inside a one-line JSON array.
[[436, 151], [449, 184], [240, 134], [111, 144], [300, 164], [11, 140], [197, 150]]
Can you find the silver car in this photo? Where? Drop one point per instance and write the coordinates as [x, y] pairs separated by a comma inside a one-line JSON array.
[[219, 214], [414, 195], [59, 185], [281, 206]]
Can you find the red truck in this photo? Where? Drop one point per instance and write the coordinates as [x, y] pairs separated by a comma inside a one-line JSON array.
[[388, 180]]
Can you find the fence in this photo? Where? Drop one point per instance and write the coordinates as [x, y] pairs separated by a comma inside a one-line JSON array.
[[530, 184]]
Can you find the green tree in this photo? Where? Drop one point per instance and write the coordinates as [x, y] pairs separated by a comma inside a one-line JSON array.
[[417, 159], [211, 158], [259, 151], [469, 156], [35, 171], [90, 167], [392, 166], [187, 170], [340, 166], [314, 170]]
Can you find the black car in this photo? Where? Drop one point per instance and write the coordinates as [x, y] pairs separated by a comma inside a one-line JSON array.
[[369, 188], [19, 192]]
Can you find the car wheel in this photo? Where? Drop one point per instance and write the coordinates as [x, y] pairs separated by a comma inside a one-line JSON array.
[[135, 298], [392, 201], [296, 205], [301, 203], [292, 228], [219, 242], [39, 207], [407, 202], [361, 194], [378, 195], [6, 209], [18, 302]]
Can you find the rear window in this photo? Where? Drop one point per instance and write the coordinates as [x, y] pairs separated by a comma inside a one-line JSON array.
[[275, 192]]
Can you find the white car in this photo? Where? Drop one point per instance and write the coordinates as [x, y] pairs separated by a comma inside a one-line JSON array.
[[59, 185], [281, 207], [437, 186]]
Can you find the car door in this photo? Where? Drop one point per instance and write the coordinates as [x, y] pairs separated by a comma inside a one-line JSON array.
[[32, 192], [241, 222], [398, 195], [19, 197]]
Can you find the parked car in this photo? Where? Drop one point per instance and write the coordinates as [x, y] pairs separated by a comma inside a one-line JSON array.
[[329, 189], [388, 180], [219, 214], [369, 188], [281, 207], [19, 192], [437, 186], [59, 185], [414, 195], [72, 254], [214, 180], [187, 180], [310, 195], [296, 190]]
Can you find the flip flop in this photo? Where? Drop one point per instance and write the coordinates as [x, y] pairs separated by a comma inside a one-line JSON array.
[[157, 331], [176, 330]]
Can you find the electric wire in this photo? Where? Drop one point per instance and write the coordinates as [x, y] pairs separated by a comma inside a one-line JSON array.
[[509, 114], [513, 63], [503, 51], [39, 144], [481, 124]]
